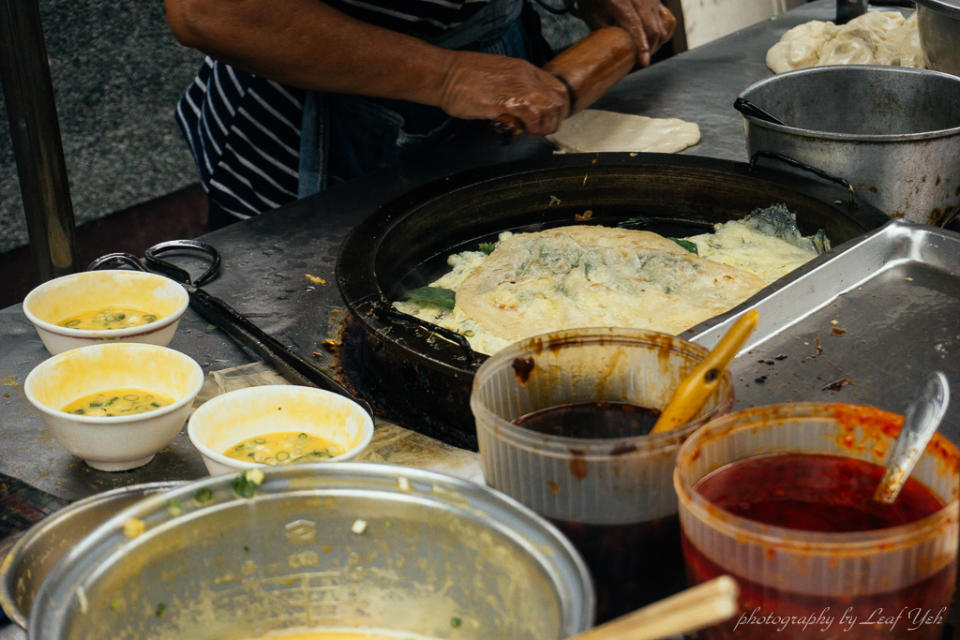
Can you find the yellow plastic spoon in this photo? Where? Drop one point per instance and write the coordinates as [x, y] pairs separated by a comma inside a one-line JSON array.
[[694, 390]]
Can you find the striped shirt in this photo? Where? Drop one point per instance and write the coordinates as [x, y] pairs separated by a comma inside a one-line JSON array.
[[244, 130], [421, 18]]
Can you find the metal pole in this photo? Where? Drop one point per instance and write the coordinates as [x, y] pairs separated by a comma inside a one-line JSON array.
[[35, 131], [847, 10]]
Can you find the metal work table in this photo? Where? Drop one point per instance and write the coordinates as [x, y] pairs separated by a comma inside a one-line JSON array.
[[265, 260]]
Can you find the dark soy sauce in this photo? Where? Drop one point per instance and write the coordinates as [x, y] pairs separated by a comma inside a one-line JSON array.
[[631, 564], [592, 420]]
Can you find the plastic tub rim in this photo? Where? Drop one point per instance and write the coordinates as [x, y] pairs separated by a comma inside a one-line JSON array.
[[589, 448], [745, 530]]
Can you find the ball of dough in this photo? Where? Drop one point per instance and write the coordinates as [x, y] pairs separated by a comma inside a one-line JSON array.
[[876, 37]]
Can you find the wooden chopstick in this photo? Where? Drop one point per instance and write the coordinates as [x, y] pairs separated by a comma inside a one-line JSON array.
[[691, 609]]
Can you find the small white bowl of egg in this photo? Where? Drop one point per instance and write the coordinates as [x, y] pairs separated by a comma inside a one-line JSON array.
[[115, 405], [112, 305], [281, 424]]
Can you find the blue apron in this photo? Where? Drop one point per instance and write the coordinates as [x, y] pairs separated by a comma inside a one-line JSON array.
[[344, 137]]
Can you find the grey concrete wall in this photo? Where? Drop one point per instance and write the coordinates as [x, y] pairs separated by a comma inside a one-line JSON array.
[[117, 74]]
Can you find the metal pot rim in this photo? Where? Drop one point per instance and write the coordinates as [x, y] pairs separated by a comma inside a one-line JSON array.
[[49, 524], [885, 138], [943, 6], [198, 498]]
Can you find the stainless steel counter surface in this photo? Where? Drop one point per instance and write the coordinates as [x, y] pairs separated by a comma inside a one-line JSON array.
[[266, 260]]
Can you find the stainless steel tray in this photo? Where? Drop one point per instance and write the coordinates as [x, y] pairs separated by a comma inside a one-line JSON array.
[[863, 323]]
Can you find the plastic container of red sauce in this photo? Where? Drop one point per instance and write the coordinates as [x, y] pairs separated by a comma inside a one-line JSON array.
[[780, 497]]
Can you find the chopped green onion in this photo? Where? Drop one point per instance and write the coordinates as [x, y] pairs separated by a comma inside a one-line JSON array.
[[245, 485], [160, 609], [203, 495], [174, 508], [686, 244], [437, 296]]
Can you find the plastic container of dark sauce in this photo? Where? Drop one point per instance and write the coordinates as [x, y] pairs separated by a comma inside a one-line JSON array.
[[563, 423]]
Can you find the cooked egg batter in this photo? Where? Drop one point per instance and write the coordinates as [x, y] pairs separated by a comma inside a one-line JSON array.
[[117, 402], [284, 447], [581, 276], [108, 318], [747, 249]]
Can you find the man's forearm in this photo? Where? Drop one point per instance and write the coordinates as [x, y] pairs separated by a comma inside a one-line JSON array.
[[307, 43]]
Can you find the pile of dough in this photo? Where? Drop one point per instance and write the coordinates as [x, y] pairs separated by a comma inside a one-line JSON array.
[[594, 130], [876, 37]]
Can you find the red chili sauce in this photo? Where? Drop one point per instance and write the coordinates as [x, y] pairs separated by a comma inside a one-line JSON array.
[[822, 493]]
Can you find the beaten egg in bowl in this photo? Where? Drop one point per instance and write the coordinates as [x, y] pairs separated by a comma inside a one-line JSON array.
[[95, 400], [277, 425], [115, 305]]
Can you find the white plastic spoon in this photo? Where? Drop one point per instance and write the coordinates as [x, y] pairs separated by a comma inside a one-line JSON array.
[[919, 424]]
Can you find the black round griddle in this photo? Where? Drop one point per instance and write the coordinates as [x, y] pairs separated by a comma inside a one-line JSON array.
[[425, 373]]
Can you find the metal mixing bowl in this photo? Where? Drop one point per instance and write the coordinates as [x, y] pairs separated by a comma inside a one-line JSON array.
[[938, 22], [36, 552], [319, 545]]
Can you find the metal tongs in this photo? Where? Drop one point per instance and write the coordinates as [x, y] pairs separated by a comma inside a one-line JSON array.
[[289, 364]]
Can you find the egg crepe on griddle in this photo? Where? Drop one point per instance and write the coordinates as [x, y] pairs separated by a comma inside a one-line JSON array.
[[587, 276]]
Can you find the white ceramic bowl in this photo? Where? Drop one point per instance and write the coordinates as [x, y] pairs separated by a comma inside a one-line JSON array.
[[235, 416], [121, 442], [55, 300]]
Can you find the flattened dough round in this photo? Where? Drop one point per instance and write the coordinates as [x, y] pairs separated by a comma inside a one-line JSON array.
[[876, 37], [588, 276], [595, 130]]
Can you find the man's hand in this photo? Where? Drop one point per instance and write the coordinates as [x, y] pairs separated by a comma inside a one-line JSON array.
[[648, 22], [484, 86]]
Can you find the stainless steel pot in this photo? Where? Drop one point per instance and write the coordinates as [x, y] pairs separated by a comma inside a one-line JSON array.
[[349, 545], [37, 551], [893, 133], [938, 22]]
